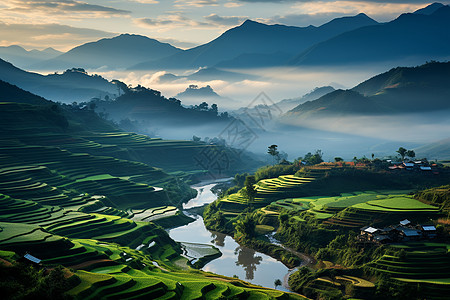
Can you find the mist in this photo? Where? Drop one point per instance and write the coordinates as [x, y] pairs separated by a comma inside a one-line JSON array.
[[277, 83]]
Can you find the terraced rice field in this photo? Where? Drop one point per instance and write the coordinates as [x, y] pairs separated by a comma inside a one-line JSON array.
[[115, 272], [268, 190], [427, 264], [384, 211]]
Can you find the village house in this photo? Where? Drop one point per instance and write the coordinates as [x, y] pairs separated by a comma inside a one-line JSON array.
[[405, 231]]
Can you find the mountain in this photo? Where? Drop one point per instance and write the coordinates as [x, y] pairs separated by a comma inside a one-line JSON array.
[[414, 37], [208, 74], [439, 149], [195, 95], [194, 91], [400, 90], [23, 58], [430, 9], [119, 52], [72, 85], [12, 93], [288, 104], [253, 38], [150, 107], [213, 73]]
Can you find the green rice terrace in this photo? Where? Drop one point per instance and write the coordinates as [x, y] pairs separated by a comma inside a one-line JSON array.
[[77, 192], [86, 206], [325, 225]]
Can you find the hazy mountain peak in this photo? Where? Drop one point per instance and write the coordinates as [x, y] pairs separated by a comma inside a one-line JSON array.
[[430, 9], [249, 22], [350, 21]]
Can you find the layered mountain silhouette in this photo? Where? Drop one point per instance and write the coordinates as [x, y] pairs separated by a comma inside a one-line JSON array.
[[288, 104], [254, 38], [439, 149], [419, 36], [119, 52], [196, 94], [23, 58], [401, 90], [12, 93], [72, 85]]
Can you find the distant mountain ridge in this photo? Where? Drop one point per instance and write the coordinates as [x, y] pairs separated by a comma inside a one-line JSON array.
[[400, 90], [20, 57], [72, 85], [257, 38], [420, 36], [118, 52]]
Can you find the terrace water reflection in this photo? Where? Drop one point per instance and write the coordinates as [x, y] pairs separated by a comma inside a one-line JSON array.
[[236, 260]]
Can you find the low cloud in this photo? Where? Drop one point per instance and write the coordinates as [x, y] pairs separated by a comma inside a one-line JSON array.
[[62, 7], [228, 21], [170, 21], [196, 3]]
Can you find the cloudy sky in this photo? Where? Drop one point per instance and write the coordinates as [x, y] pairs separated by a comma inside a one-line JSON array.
[[63, 24]]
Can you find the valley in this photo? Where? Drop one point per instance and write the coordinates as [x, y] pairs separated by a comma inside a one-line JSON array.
[[224, 150]]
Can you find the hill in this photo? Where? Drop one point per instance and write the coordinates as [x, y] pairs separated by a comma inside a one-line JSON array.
[[195, 94], [413, 37], [23, 58], [400, 90], [115, 53], [11, 93], [288, 104], [254, 38], [72, 85], [439, 149]]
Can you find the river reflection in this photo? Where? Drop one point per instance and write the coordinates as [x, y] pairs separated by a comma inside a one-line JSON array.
[[248, 260], [236, 260]]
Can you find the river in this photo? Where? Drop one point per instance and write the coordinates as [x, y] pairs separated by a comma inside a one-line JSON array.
[[236, 260]]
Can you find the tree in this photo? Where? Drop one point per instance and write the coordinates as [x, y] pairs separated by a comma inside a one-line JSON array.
[[214, 109], [411, 154], [277, 283], [272, 150], [196, 138], [203, 106], [313, 159], [249, 188], [338, 159], [402, 151]]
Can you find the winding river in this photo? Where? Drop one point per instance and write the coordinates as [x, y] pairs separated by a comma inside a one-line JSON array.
[[236, 260]]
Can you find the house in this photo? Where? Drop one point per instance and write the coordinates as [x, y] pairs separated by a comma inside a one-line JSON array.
[[428, 231], [405, 222], [382, 239], [408, 165], [30, 259], [367, 233], [408, 234]]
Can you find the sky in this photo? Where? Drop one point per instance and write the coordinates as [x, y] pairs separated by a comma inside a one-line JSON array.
[[64, 24]]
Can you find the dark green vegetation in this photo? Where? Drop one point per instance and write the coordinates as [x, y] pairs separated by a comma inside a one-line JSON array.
[[148, 106], [77, 192], [319, 212]]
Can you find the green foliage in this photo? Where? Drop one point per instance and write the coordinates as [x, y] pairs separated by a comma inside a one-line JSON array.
[[249, 190], [439, 195], [272, 151], [313, 159], [23, 281], [275, 171], [244, 227]]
